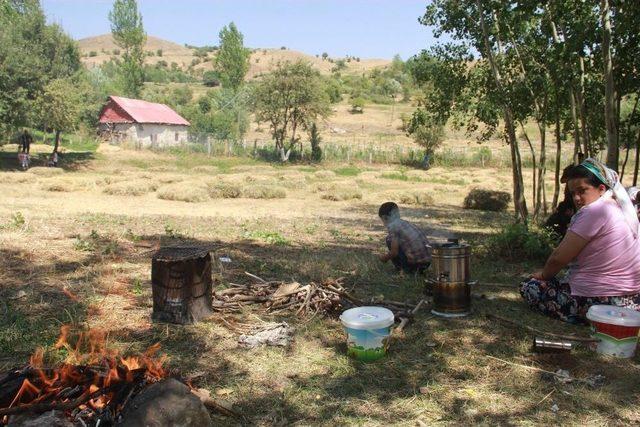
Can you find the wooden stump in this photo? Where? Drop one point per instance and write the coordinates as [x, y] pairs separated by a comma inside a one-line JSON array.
[[181, 284]]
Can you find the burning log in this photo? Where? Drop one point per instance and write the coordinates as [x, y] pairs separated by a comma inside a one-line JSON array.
[[91, 387], [181, 281]]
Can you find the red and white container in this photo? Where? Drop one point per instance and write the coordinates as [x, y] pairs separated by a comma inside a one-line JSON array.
[[617, 329]]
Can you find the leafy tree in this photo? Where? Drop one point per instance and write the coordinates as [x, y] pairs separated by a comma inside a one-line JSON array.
[[315, 139], [31, 54], [357, 105], [333, 88], [128, 34], [59, 106], [211, 78], [232, 60], [292, 96]]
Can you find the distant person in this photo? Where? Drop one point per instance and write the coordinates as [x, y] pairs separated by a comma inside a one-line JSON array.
[[25, 141], [53, 160], [408, 247], [23, 159]]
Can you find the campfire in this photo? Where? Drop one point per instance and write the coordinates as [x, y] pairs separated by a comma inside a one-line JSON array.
[[91, 387]]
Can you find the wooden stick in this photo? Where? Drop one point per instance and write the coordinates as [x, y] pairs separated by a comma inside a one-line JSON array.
[[211, 403], [405, 320], [259, 279], [537, 331], [62, 406], [533, 368]]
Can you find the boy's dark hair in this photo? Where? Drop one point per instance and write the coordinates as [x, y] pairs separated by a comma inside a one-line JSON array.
[[580, 171], [386, 208]]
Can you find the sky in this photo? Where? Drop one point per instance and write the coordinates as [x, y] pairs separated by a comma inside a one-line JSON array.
[[361, 28]]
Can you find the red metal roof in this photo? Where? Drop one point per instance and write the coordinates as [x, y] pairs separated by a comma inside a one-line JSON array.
[[126, 110]]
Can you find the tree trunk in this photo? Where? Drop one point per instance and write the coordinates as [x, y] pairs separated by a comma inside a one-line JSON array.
[[628, 134], [534, 170], [586, 143], [609, 90], [542, 171], [519, 199], [57, 143], [181, 285], [556, 184], [576, 127]]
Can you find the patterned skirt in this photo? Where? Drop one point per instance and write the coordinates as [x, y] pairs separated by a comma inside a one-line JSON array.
[[554, 299]]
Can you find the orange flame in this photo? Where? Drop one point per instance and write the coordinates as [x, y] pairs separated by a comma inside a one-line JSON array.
[[87, 348]]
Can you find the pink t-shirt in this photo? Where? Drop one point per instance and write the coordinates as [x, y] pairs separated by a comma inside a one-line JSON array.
[[609, 265]]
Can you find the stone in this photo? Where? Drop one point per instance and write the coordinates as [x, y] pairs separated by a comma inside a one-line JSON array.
[[167, 403], [48, 419]]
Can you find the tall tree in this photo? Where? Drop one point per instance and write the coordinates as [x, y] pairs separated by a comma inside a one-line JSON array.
[[31, 54], [290, 98], [60, 106], [232, 59], [128, 33], [609, 94]]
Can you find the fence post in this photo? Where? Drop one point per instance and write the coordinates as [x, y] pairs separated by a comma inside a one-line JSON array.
[[208, 146], [370, 157]]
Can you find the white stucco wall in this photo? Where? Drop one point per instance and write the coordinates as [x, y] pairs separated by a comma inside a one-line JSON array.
[[149, 135]]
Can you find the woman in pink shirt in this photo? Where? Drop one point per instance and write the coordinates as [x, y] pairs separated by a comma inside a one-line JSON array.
[[601, 248]]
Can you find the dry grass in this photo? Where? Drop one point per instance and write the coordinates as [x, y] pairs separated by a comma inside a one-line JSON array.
[[325, 174], [338, 194], [184, 192], [44, 171], [209, 169], [263, 192], [222, 190], [17, 178], [61, 185], [95, 247], [136, 187], [418, 198]]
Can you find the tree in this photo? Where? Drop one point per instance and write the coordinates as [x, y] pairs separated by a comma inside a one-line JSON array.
[[232, 60], [59, 106], [291, 97], [211, 78], [31, 54], [357, 105], [128, 34], [315, 139]]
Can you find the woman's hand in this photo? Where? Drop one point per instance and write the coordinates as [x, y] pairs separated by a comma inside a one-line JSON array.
[[538, 275]]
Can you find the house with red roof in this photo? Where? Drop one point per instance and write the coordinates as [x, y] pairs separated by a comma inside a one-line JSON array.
[[146, 124]]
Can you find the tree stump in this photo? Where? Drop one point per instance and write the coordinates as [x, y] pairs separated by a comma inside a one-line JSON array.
[[181, 284]]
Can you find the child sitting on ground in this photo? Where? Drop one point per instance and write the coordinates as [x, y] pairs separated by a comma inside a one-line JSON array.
[[408, 245]]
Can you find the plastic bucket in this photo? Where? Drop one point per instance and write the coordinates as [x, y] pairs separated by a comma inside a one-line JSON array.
[[617, 329], [368, 330]]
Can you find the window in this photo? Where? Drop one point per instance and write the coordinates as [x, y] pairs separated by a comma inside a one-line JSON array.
[[176, 136]]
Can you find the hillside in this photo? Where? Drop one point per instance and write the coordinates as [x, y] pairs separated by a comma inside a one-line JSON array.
[[99, 49]]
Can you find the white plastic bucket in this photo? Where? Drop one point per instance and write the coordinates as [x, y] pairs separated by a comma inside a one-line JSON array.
[[368, 330], [617, 329]]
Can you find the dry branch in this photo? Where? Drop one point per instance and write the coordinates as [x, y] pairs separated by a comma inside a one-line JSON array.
[[537, 331]]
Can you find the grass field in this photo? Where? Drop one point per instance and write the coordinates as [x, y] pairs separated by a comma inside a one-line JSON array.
[[75, 247]]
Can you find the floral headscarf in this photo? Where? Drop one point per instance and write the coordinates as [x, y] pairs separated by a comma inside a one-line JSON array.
[[615, 191]]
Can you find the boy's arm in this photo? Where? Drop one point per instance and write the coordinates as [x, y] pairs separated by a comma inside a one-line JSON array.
[[393, 251]]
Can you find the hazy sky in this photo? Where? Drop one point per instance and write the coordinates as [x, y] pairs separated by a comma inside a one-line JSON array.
[[364, 28]]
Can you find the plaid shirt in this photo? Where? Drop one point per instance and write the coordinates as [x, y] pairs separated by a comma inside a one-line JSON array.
[[412, 241]]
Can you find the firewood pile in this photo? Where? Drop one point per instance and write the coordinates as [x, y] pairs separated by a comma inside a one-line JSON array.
[[326, 298]]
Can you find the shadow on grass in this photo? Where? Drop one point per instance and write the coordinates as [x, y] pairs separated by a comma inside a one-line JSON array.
[[68, 161], [33, 307]]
